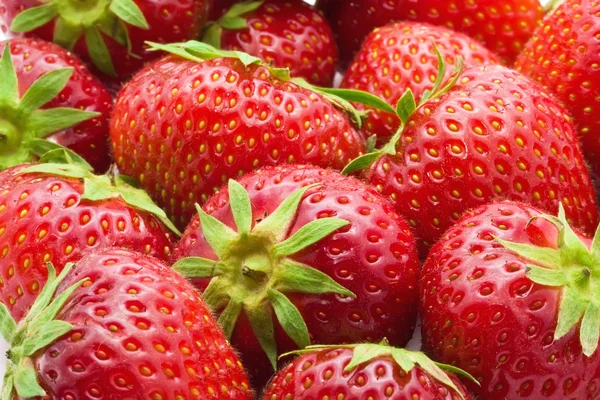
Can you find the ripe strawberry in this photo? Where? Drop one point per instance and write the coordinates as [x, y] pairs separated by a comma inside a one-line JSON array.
[[41, 75], [289, 34], [61, 213], [184, 127], [510, 295], [494, 135], [403, 56], [110, 34], [122, 325], [562, 56], [365, 371], [305, 255], [503, 27]]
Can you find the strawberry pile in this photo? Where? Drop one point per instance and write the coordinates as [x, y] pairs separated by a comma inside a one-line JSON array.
[[280, 200]]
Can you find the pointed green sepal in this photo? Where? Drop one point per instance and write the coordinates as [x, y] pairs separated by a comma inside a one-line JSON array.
[[406, 106], [98, 51], [129, 12], [9, 95], [197, 267], [218, 235], [261, 321], [545, 256], [289, 318], [589, 332], [33, 18], [43, 123], [46, 334], [241, 207], [229, 316], [25, 380], [47, 87], [307, 235], [66, 35], [8, 326], [50, 152], [300, 278]]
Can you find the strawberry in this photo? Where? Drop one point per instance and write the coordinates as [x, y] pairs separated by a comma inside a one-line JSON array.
[[403, 56], [57, 213], [510, 295], [122, 325], [321, 254], [184, 126], [110, 34], [47, 93], [562, 56], [503, 27], [494, 134], [365, 371], [289, 34]]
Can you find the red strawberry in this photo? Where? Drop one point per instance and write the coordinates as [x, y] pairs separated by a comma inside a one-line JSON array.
[[110, 34], [322, 254], [289, 34], [184, 127], [402, 56], [494, 135], [365, 371], [122, 325], [503, 27], [510, 295], [70, 95], [563, 57], [61, 214]]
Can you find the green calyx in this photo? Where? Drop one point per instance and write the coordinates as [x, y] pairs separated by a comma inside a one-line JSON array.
[[89, 19], [22, 122], [35, 332], [552, 5], [254, 269], [232, 20], [576, 270], [404, 110], [407, 360], [62, 162]]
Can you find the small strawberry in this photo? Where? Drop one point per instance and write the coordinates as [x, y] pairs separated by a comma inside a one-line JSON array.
[[297, 254], [289, 34], [186, 124], [403, 56], [121, 325], [494, 134], [366, 371], [510, 295], [503, 26], [110, 34], [57, 213], [563, 57], [46, 93]]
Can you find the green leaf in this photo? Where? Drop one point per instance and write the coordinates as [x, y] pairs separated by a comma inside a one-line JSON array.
[[595, 249], [129, 12], [245, 7], [459, 67], [434, 370], [218, 235], [8, 326], [458, 371], [175, 49], [50, 152], [545, 256], [197, 267], [240, 207], [307, 235], [371, 143], [65, 170], [401, 358], [233, 24], [547, 277], [217, 294], [261, 320], [33, 18], [98, 51], [207, 52], [47, 292], [290, 318], [590, 329], [282, 74], [568, 239], [441, 75], [97, 188], [356, 96], [212, 35], [361, 162], [229, 316], [406, 106], [571, 309], [57, 304], [46, 88], [297, 277], [45, 122], [8, 386], [66, 35], [9, 95], [364, 353], [25, 380], [46, 334]]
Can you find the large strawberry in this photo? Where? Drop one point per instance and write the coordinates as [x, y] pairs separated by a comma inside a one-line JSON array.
[[186, 124], [366, 371], [46, 93], [120, 325], [57, 213], [495, 134], [110, 34], [289, 34], [503, 26], [510, 295], [403, 56], [563, 57], [298, 254]]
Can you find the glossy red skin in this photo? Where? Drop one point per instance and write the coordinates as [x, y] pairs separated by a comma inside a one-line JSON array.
[[401, 56], [33, 58], [289, 34], [482, 314], [563, 57], [23, 269], [95, 360], [184, 19], [8, 11], [251, 128], [379, 265], [379, 379], [504, 31], [421, 179]]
